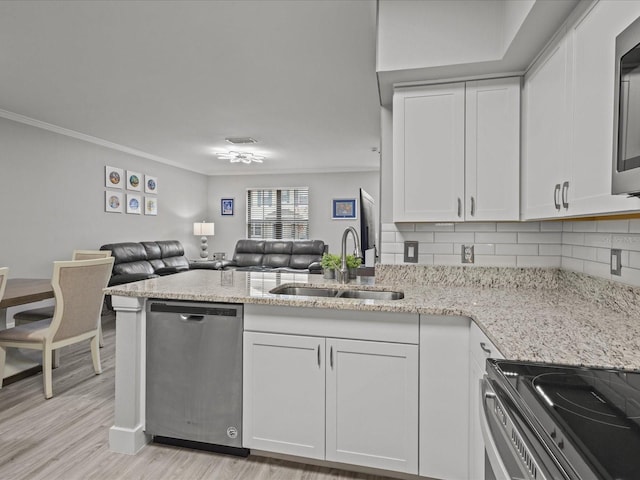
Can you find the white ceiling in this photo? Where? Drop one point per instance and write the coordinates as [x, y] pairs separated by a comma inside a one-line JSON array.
[[172, 79]]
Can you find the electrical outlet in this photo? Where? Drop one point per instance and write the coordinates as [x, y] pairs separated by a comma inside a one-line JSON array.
[[410, 252], [616, 264], [467, 254]]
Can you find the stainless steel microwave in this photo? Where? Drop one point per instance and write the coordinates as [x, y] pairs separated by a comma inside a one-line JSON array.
[[626, 118]]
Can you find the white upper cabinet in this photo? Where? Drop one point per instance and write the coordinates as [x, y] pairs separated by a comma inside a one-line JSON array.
[[428, 153], [439, 130], [568, 118], [492, 170]]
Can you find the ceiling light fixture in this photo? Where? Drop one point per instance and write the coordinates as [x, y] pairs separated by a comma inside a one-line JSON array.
[[241, 140], [244, 157]]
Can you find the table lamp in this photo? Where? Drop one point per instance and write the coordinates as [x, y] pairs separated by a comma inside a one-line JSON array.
[[203, 229]]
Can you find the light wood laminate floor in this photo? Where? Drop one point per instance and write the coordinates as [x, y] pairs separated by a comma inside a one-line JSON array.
[[66, 437]]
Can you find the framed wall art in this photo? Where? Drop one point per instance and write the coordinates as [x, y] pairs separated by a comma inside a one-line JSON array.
[[150, 206], [343, 209], [113, 202], [226, 206], [150, 184], [134, 204], [113, 177], [134, 181]]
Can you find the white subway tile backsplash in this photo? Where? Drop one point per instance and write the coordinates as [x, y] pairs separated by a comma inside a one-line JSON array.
[[447, 260], [540, 261], [440, 248], [581, 246], [613, 226], [551, 226], [572, 264], [550, 249], [572, 238], [475, 227], [516, 249], [584, 253], [482, 237], [547, 237], [434, 227], [496, 261], [596, 269], [454, 237], [519, 227], [597, 240], [585, 226]]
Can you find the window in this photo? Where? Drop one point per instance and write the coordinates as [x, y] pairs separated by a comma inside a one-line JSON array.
[[279, 213]]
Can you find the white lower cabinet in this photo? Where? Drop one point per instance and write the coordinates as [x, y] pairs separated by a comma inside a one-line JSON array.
[[342, 400], [480, 348]]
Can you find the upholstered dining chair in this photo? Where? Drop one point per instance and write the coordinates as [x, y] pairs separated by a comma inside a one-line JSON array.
[[4, 274], [43, 313], [78, 290]]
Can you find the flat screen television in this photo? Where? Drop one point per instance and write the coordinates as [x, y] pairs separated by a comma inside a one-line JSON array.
[[368, 223]]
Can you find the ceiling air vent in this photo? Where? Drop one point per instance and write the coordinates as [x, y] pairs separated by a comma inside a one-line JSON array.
[[240, 140]]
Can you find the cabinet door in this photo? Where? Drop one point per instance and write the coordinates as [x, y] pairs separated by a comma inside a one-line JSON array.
[[546, 132], [492, 171], [284, 394], [372, 404], [593, 43], [428, 153]]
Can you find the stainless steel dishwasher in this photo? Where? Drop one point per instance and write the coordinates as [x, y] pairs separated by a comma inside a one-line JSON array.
[[194, 375]]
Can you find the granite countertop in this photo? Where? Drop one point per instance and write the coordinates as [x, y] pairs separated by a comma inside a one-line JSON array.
[[543, 315]]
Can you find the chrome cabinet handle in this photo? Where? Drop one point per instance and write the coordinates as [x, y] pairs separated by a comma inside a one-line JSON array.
[[473, 206], [556, 199], [565, 195], [459, 207], [484, 348], [331, 357], [319, 360]]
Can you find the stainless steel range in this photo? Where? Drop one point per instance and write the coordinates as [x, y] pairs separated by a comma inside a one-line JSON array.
[[558, 422]]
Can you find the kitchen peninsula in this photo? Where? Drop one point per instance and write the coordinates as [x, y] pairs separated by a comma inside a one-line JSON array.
[[544, 315]]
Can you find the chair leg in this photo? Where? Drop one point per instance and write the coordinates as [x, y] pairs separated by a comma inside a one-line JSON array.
[[47, 355], [95, 355], [3, 358], [101, 341]]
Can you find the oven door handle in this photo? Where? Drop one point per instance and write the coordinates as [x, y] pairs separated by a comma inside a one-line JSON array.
[[491, 449]]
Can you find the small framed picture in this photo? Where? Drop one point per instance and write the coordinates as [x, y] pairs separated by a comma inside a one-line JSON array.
[[134, 204], [113, 177], [226, 206], [134, 181], [150, 184], [343, 209], [150, 205], [113, 202]]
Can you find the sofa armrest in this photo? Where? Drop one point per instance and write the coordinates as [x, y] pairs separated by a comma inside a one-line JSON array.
[[171, 270], [129, 277], [207, 265], [315, 267], [227, 263]]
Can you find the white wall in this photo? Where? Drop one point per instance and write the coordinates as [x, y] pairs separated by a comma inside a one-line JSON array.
[[322, 189], [52, 200]]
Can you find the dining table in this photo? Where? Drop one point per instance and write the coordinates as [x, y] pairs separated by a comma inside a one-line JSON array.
[[23, 294]]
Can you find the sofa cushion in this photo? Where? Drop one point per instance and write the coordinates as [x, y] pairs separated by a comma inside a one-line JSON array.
[[170, 248], [276, 254], [176, 262], [126, 252], [306, 252], [248, 253], [140, 266], [153, 250]]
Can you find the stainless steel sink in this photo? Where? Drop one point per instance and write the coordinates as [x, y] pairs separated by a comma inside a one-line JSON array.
[[338, 293]]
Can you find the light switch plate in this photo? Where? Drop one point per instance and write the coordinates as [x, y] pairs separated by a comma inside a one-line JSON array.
[[616, 262], [467, 254], [410, 252]]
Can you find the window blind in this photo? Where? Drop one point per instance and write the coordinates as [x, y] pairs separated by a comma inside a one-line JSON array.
[[278, 213]]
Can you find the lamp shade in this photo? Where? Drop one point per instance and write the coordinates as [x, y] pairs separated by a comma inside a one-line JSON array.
[[203, 229]]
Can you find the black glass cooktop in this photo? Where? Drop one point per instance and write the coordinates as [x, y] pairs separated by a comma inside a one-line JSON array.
[[591, 415]]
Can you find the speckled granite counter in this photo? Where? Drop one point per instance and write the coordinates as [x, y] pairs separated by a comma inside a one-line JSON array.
[[542, 315]]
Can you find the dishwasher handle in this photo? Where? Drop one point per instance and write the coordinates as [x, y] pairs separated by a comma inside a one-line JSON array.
[[218, 310], [192, 318]]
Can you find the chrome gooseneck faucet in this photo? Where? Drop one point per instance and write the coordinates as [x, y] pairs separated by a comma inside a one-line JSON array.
[[342, 274]]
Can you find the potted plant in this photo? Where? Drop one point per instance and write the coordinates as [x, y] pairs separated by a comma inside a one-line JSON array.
[[330, 262], [353, 263]]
